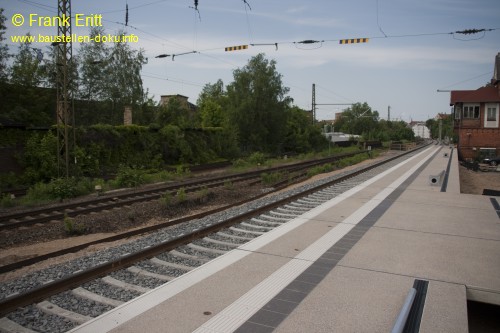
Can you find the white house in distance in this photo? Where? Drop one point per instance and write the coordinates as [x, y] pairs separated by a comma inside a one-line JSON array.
[[340, 137], [420, 129]]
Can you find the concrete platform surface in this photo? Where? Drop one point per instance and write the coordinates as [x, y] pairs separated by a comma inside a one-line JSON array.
[[346, 266]]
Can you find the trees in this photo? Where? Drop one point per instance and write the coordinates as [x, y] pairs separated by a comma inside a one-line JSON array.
[[446, 127], [112, 75], [27, 67], [394, 130], [257, 103], [173, 114], [358, 119], [93, 59], [23, 101], [256, 111], [301, 136], [124, 83], [4, 49], [211, 103]]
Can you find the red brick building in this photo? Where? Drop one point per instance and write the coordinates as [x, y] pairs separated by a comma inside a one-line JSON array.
[[476, 118]]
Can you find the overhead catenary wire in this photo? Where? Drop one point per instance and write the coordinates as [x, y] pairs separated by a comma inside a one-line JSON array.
[[136, 7], [175, 80], [466, 80], [266, 44], [250, 33], [334, 93], [49, 8], [296, 43], [378, 23]]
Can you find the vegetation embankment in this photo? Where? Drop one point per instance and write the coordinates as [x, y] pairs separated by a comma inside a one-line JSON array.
[[65, 188], [248, 119]]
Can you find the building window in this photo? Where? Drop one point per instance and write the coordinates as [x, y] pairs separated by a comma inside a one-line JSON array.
[[471, 111], [487, 153], [458, 111], [491, 114]]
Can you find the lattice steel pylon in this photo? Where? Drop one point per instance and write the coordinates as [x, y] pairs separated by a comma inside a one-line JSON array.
[[313, 104], [64, 55]]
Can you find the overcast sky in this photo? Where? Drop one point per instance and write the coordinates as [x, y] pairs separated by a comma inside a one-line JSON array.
[[412, 51]]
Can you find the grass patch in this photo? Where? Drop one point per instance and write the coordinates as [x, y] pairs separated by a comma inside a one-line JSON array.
[[181, 195], [269, 178], [71, 228], [320, 169]]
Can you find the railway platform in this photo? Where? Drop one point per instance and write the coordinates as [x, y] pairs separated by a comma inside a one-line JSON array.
[[345, 266]]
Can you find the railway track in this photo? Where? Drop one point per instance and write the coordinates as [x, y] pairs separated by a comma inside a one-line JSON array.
[[64, 297], [47, 214]]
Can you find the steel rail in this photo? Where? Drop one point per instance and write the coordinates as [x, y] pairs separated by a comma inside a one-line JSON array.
[[119, 200]]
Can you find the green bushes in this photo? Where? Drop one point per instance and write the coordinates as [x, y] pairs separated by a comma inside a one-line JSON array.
[[40, 157], [71, 228], [6, 201], [63, 188], [352, 160], [181, 195], [269, 178], [168, 198], [59, 189], [128, 177], [257, 158], [320, 169]]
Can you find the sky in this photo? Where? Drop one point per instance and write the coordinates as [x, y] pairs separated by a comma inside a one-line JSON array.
[[412, 52]]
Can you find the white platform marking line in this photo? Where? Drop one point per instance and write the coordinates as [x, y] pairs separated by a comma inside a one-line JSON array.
[[125, 312], [251, 302]]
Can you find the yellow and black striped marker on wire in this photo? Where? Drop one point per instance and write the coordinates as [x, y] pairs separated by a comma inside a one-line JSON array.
[[236, 48], [354, 41]]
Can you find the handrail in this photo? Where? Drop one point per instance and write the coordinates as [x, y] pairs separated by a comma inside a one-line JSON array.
[[405, 311]]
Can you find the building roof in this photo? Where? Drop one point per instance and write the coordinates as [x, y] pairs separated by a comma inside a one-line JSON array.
[[483, 94], [175, 95]]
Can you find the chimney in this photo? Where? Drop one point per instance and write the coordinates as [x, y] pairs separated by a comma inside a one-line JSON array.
[[127, 115], [496, 72]]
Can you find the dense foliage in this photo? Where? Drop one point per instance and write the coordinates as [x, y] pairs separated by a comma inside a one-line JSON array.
[[257, 105], [4, 49], [446, 128], [360, 119], [256, 111], [103, 149]]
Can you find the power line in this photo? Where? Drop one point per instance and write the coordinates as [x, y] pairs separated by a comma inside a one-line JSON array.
[[378, 24], [298, 44], [40, 6], [250, 33], [467, 80], [136, 7], [154, 76], [334, 93]]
